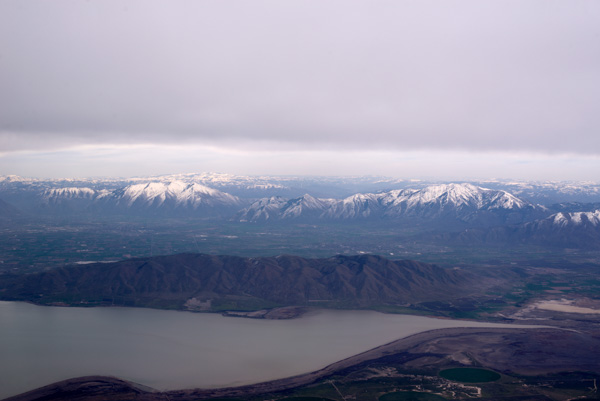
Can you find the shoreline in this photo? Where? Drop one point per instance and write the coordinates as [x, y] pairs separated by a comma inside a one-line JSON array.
[[97, 387], [392, 347]]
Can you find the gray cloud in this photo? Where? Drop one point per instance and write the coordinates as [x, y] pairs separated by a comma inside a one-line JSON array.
[[494, 75]]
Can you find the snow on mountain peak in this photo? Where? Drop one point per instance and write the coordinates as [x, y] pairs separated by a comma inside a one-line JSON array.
[[449, 197], [54, 195], [432, 201], [358, 205], [263, 209], [576, 219], [70, 192], [177, 192], [305, 204], [455, 194], [147, 193], [11, 178]]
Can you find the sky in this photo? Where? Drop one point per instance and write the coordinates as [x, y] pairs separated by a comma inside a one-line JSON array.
[[450, 89]]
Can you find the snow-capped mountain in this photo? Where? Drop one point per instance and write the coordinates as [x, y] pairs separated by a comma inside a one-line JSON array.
[[263, 210], [305, 206], [278, 208], [560, 230], [463, 202], [59, 195], [169, 198], [149, 197], [461, 212], [285, 186], [548, 192], [11, 179], [176, 194], [355, 206], [283, 198], [581, 219], [576, 230], [455, 196], [218, 180], [246, 187], [569, 230]]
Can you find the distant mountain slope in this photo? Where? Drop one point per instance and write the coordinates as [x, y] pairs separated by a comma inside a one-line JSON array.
[[579, 230], [575, 229], [68, 200], [548, 192], [7, 210], [284, 280], [570, 207]]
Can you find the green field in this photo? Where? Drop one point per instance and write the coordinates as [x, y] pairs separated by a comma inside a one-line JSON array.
[[469, 375]]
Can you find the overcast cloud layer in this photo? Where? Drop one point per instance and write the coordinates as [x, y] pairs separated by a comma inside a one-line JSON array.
[[285, 75]]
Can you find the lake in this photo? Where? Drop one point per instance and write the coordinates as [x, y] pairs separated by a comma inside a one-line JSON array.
[[174, 350]]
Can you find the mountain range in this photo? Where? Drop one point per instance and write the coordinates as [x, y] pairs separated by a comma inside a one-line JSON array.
[[216, 281], [463, 202], [475, 213]]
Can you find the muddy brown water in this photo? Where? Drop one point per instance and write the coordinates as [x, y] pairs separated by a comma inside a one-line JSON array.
[[175, 350]]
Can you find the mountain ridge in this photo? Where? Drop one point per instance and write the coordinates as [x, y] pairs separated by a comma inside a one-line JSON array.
[[464, 202], [217, 280], [441, 207]]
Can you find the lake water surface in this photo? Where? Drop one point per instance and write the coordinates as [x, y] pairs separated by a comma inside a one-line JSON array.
[[174, 350]]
